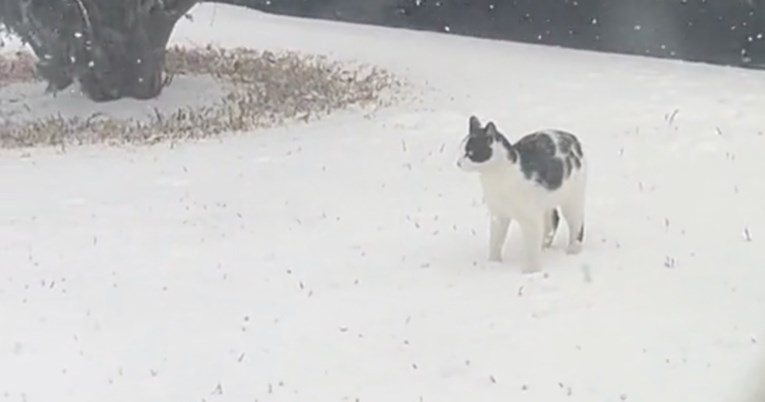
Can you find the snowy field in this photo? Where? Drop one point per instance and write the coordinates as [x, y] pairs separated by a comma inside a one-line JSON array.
[[345, 259]]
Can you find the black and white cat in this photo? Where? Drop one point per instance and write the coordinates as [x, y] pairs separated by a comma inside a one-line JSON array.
[[528, 181]]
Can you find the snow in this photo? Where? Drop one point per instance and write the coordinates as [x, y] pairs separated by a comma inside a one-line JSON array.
[[345, 259], [28, 101]]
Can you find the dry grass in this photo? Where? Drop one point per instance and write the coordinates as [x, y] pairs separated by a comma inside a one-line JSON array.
[[262, 89], [19, 68]]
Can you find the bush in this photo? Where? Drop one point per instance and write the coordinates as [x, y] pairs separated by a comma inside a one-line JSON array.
[[259, 89], [113, 48]]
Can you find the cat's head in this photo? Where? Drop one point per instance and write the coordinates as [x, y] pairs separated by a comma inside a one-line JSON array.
[[483, 147]]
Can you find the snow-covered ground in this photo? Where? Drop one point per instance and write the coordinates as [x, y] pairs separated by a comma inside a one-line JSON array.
[[345, 259], [22, 102]]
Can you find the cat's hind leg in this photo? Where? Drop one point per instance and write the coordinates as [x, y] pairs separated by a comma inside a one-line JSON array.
[[552, 221]]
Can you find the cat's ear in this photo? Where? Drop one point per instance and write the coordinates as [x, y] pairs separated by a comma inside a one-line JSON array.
[[491, 129], [474, 125]]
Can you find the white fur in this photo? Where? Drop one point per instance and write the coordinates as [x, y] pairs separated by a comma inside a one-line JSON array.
[[510, 196]]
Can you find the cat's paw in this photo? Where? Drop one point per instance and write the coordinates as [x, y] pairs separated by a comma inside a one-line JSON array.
[[574, 248]]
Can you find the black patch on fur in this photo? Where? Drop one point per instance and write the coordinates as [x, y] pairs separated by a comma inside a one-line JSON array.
[[478, 145], [549, 157], [570, 148], [478, 148], [539, 161], [568, 143], [580, 235]]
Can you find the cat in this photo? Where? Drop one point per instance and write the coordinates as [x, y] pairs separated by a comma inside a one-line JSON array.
[[528, 181]]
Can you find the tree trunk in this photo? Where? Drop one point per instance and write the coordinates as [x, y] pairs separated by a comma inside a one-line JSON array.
[[114, 49]]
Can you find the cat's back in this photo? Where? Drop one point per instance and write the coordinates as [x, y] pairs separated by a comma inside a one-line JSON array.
[[549, 144], [549, 157]]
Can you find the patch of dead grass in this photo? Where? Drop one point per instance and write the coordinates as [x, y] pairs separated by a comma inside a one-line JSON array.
[[262, 89], [18, 68]]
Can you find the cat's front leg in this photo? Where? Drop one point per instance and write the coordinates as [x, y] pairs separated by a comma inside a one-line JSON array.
[[497, 234]]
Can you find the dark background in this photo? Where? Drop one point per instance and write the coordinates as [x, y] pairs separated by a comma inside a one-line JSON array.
[[727, 32]]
